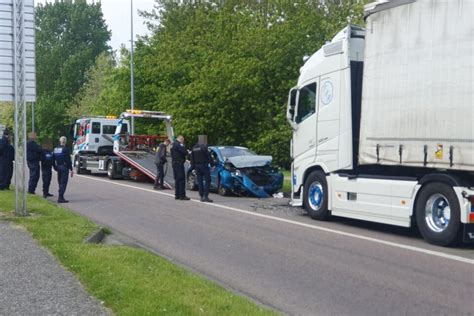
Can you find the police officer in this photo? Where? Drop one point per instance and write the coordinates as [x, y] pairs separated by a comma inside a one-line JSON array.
[[33, 157], [160, 161], [47, 161], [10, 158], [200, 161], [63, 165], [7, 155], [178, 158]]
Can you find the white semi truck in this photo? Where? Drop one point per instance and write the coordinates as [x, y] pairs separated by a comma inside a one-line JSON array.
[[382, 121]]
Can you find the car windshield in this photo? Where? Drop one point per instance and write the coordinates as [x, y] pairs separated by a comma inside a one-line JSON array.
[[228, 152]]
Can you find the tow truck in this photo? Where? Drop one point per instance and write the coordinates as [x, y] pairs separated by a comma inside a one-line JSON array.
[[127, 156], [93, 143]]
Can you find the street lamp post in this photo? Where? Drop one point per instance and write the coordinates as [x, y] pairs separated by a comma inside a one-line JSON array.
[[132, 69]]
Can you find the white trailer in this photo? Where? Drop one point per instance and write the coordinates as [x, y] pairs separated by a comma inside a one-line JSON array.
[[382, 121]]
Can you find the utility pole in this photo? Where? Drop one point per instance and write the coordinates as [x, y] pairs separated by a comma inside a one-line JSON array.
[[33, 116], [20, 106], [132, 69]]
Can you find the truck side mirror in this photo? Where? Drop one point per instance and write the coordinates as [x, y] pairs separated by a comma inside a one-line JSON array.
[[290, 113]]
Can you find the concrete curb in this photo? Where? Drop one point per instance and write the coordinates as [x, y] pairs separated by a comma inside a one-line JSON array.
[[96, 237]]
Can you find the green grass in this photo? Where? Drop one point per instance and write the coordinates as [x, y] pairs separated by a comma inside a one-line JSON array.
[[286, 181], [130, 281]]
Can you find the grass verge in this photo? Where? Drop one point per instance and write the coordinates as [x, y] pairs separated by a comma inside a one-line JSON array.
[[130, 281], [286, 181]]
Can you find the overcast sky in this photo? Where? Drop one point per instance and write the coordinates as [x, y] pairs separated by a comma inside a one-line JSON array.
[[117, 17]]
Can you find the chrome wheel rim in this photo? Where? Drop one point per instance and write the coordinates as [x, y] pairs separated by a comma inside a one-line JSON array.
[[437, 213], [109, 169], [190, 181], [316, 195]]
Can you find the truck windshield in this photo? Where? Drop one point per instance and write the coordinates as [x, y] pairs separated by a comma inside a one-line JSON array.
[[109, 129]]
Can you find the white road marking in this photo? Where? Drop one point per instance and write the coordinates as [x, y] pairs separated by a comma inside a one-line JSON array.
[[287, 221]]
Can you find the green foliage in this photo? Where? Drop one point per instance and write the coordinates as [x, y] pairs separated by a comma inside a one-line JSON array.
[[224, 69], [130, 281], [69, 37], [7, 112], [220, 68]]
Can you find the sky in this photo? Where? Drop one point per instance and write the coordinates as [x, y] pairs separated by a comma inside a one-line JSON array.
[[117, 17]]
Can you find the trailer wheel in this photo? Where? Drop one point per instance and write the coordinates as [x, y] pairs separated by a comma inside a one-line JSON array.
[[191, 181], [315, 199], [111, 170], [438, 214]]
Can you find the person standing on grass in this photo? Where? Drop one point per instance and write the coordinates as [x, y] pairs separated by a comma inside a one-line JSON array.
[[63, 165], [178, 158], [33, 157], [7, 156], [47, 161]]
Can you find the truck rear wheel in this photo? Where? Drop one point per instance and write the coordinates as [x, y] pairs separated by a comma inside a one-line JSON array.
[[315, 199], [77, 165], [438, 214], [112, 170]]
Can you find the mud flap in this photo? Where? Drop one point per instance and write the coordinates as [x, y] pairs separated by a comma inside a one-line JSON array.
[[253, 188], [468, 234]]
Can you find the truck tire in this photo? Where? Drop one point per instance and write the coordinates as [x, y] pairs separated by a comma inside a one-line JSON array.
[[111, 170], [77, 165], [191, 182], [315, 199], [438, 214]]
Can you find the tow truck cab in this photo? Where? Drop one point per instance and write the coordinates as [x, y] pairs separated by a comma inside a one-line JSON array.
[[94, 135]]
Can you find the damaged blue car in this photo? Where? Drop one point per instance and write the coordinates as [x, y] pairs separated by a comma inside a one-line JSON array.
[[239, 171]]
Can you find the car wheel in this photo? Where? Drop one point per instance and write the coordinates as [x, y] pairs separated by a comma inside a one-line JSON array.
[[191, 182], [438, 214], [222, 191], [111, 170], [315, 199]]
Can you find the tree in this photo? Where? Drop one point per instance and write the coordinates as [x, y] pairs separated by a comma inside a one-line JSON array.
[[225, 68], [69, 37]]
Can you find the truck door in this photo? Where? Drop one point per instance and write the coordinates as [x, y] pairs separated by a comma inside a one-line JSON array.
[[304, 134]]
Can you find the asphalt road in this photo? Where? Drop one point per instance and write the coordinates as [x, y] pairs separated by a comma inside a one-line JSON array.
[[281, 258]]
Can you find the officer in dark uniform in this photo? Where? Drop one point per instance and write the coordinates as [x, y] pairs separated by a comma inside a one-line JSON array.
[[178, 158], [201, 161], [160, 161], [63, 165], [7, 155], [47, 161], [10, 158], [33, 157]]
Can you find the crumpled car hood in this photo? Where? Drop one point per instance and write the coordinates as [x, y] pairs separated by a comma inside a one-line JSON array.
[[250, 161]]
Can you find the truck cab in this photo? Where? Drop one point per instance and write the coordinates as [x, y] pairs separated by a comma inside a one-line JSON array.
[[320, 108], [94, 135]]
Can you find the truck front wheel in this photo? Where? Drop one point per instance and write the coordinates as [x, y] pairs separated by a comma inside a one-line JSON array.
[[316, 196], [438, 214]]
